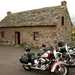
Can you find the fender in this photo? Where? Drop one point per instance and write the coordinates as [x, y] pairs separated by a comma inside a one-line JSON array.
[[57, 63]]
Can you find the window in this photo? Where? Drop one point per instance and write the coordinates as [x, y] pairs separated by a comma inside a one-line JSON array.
[[62, 20], [35, 35], [2, 34]]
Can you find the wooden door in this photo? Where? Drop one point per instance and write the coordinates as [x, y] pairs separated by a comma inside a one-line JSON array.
[[17, 37]]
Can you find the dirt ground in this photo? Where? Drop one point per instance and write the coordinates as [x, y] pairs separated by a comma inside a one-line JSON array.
[[10, 65]]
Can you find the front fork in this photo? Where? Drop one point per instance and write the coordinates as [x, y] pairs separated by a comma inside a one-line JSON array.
[[55, 65]]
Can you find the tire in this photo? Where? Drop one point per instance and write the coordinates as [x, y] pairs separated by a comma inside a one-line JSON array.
[[27, 68], [63, 70], [73, 61], [70, 62]]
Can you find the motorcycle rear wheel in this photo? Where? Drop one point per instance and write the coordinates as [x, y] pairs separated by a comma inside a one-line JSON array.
[[27, 68], [70, 62]]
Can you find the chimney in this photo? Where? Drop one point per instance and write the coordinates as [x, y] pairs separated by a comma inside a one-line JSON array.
[[8, 13], [63, 3]]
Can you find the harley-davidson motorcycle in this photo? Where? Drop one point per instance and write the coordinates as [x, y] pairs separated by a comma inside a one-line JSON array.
[[44, 62], [68, 56]]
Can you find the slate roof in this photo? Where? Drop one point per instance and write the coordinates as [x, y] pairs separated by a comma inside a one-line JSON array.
[[42, 16]]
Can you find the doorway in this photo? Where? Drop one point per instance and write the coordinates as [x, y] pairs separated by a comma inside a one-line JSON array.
[[17, 37]]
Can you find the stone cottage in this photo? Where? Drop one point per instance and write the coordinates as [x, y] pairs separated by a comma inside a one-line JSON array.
[[34, 27]]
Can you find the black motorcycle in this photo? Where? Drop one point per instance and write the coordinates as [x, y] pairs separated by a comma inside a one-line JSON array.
[[68, 57]]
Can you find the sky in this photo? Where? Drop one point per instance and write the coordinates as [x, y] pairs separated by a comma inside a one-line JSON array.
[[23, 5]]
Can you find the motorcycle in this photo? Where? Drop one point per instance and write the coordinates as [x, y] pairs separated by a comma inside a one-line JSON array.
[[45, 62], [68, 56]]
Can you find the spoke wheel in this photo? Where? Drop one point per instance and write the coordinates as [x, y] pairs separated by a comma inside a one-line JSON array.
[[62, 70], [26, 67]]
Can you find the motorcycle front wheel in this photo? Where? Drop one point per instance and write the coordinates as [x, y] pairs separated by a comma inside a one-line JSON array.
[[62, 70]]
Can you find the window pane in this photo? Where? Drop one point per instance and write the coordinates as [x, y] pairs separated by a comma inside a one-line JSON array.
[[62, 20], [35, 35], [2, 34]]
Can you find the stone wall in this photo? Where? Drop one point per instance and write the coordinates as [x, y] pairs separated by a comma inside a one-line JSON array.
[[46, 35]]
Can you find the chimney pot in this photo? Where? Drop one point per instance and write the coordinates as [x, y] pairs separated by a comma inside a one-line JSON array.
[[63, 3], [8, 13]]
